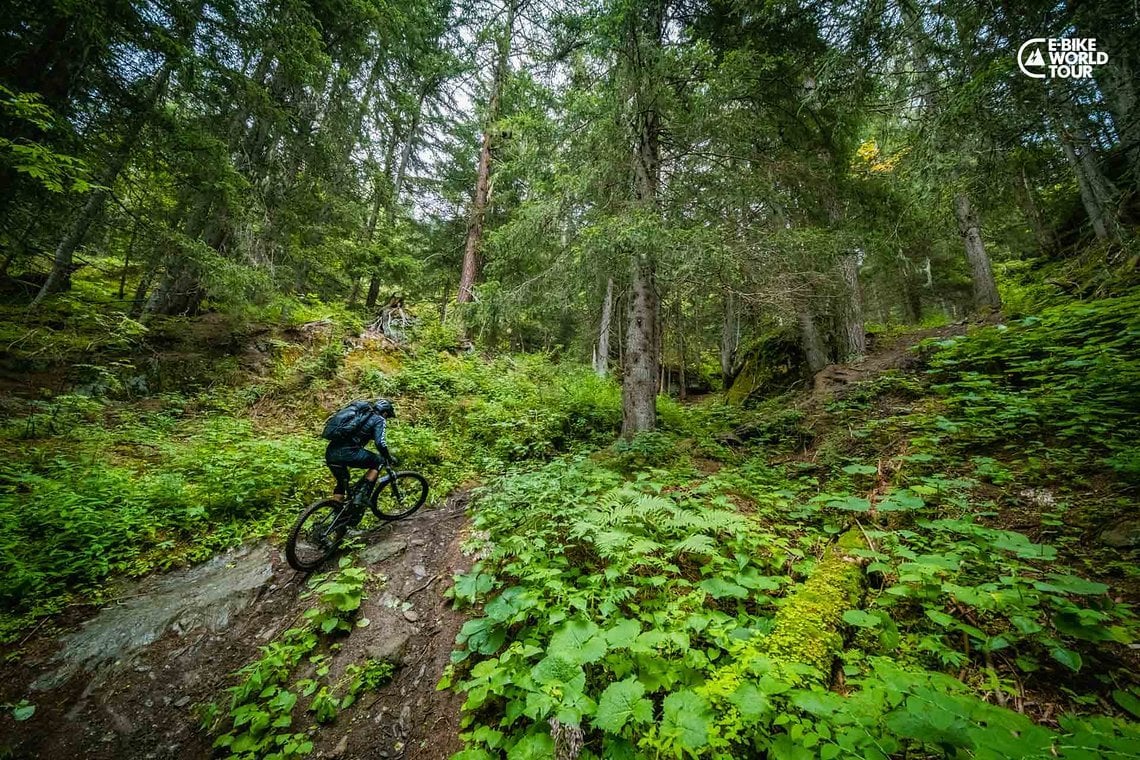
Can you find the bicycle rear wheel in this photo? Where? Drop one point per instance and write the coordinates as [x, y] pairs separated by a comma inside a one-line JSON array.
[[401, 496], [314, 538]]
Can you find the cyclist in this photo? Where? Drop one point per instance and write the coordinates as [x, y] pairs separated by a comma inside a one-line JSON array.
[[348, 432]]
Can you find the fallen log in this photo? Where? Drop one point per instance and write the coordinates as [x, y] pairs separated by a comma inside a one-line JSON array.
[[800, 649]]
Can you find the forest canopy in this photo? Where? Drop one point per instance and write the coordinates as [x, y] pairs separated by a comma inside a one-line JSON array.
[[655, 186]]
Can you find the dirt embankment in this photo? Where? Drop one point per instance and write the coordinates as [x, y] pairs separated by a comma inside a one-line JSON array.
[[126, 682]]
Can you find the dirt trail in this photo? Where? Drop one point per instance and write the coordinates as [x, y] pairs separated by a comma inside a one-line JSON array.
[[893, 353], [124, 685]]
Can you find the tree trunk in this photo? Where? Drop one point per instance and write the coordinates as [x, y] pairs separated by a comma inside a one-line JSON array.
[[406, 151], [1118, 82], [394, 197], [814, 352], [127, 261], [1023, 189], [8, 261], [621, 334], [139, 301], [60, 277], [911, 295], [1095, 189], [681, 379], [180, 294], [642, 358], [985, 288], [373, 293], [180, 291], [602, 357], [639, 385], [853, 336], [472, 263], [374, 215], [369, 233], [729, 337], [354, 293]]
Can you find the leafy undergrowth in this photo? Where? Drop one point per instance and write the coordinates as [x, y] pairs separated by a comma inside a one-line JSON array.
[[99, 484], [637, 602]]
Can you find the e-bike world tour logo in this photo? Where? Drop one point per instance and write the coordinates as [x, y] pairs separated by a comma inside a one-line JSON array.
[[1059, 57]]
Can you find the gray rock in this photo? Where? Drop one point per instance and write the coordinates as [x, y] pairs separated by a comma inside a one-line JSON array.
[[205, 596], [411, 616], [382, 551], [1123, 535], [420, 571], [182, 701], [390, 646]]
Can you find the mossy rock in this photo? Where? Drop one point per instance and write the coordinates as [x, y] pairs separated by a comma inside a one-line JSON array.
[[769, 365]]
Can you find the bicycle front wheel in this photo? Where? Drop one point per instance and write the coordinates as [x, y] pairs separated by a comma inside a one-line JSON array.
[[401, 496], [315, 535]]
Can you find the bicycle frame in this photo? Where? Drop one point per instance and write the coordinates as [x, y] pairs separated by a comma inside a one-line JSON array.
[[389, 476]]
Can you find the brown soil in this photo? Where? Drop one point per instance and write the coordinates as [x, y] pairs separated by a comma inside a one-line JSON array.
[[145, 707]]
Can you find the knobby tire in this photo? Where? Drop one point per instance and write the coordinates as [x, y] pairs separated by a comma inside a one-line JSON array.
[[322, 553], [412, 489]]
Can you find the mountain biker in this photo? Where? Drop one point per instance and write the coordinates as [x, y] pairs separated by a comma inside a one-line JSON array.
[[348, 432]]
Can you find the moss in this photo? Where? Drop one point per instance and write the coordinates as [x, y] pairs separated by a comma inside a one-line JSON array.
[[807, 626], [804, 640], [771, 364]]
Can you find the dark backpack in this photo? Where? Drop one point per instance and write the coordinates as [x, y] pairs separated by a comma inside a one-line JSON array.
[[346, 424]]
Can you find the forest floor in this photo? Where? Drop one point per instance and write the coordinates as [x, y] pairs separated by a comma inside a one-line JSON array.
[[125, 682], [157, 667]]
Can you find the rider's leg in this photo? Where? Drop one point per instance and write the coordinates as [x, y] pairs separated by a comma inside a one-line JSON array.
[[340, 473], [366, 458]]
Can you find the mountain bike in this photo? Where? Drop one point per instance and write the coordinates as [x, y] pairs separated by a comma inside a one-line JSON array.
[[322, 526]]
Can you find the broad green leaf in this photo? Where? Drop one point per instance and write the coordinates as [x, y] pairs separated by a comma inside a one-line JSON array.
[[686, 720], [944, 620], [1025, 625], [579, 641], [1067, 657], [861, 619], [1072, 584], [718, 588], [554, 669], [750, 702], [622, 702], [900, 501], [851, 504], [818, 703], [532, 747], [1125, 699], [623, 633]]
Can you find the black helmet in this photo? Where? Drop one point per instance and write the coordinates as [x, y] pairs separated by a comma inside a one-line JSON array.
[[384, 406]]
